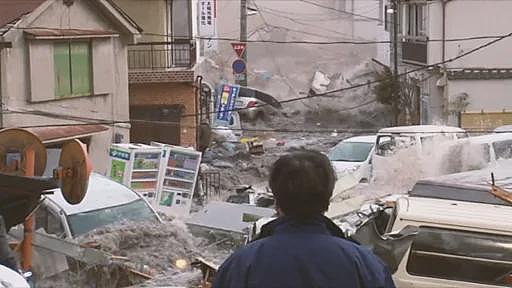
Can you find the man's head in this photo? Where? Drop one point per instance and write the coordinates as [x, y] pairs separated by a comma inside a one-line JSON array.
[[302, 183]]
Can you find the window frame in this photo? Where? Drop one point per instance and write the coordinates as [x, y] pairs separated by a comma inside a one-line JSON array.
[[473, 235], [90, 68], [415, 21]]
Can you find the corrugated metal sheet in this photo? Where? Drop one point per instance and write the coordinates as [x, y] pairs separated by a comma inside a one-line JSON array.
[[57, 134]]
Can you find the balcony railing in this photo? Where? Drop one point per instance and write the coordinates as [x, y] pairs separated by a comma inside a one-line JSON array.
[[162, 55], [414, 51]]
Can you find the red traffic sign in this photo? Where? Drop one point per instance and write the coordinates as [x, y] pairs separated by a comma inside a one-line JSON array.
[[239, 48]]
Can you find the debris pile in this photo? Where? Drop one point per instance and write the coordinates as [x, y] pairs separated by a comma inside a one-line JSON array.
[[140, 252]]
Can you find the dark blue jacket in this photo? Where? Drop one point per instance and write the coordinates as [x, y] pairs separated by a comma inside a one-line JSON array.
[[303, 254]]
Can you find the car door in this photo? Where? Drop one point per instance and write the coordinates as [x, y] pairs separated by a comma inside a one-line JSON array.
[[444, 257]]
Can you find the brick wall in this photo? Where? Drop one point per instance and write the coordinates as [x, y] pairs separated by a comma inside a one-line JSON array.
[[161, 76], [169, 94]]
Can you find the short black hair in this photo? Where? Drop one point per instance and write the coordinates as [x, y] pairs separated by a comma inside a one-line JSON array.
[[302, 183]]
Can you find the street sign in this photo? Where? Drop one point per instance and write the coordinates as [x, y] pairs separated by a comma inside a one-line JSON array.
[[226, 102], [240, 77], [239, 48], [239, 66]]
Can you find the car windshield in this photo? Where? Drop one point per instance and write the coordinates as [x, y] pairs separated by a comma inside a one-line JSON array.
[[350, 152], [137, 210], [388, 145]]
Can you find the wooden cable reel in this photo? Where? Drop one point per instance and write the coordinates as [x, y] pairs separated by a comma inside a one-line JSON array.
[[74, 170], [14, 144], [74, 164]]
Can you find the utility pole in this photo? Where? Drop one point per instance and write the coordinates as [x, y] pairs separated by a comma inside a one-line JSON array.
[[243, 39], [395, 60]]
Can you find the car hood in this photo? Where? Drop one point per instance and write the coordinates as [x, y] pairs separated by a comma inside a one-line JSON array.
[[342, 166], [101, 193]]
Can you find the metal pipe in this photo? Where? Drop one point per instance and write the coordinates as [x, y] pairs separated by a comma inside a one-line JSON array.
[[443, 52], [28, 226]]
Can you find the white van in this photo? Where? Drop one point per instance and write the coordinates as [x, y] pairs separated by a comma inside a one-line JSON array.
[[478, 152], [353, 156], [413, 140]]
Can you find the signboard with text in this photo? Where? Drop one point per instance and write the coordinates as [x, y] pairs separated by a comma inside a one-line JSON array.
[[226, 103], [208, 23]]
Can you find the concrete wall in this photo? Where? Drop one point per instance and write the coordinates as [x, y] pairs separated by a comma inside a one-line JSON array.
[[486, 95], [169, 94], [25, 82]]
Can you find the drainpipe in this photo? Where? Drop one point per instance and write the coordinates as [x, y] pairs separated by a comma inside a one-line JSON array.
[[445, 2]]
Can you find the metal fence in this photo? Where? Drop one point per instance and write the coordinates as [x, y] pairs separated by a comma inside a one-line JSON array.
[[161, 55], [211, 183]]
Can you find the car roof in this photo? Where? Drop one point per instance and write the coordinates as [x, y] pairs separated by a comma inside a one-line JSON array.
[[489, 138], [456, 213], [466, 193], [101, 193], [362, 139], [506, 128], [502, 170], [422, 129]]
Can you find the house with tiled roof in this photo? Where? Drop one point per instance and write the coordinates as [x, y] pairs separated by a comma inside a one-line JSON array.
[[64, 71]]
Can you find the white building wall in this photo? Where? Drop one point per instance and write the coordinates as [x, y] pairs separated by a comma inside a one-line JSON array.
[[486, 95], [469, 19]]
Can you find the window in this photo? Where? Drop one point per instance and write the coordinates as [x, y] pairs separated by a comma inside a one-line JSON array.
[[503, 149], [461, 256], [415, 16], [73, 69], [351, 152], [49, 222]]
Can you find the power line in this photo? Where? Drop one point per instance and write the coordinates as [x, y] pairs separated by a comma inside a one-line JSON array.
[[341, 42], [424, 68], [270, 130], [342, 11]]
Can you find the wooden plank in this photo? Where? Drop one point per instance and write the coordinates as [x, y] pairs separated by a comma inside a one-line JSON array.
[[485, 121], [502, 194]]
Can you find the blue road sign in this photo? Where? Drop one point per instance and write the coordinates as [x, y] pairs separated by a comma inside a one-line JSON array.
[[239, 66]]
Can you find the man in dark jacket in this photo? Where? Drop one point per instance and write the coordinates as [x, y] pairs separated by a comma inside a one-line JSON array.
[[302, 248]]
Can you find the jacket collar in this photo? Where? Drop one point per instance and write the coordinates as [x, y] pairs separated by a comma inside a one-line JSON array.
[[316, 225]]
